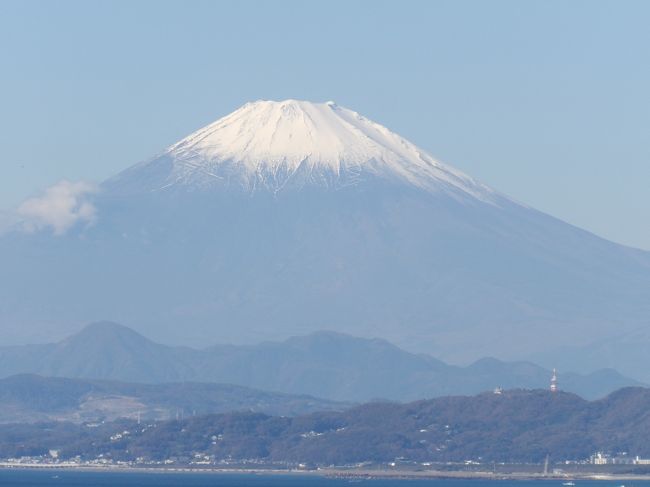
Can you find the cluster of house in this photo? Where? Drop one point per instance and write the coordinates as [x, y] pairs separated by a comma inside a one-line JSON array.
[[600, 458]]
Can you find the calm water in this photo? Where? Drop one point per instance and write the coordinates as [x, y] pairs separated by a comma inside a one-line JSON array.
[[33, 478]]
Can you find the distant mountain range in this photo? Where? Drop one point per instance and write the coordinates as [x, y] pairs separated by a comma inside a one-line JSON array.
[[31, 398], [515, 426], [325, 364]]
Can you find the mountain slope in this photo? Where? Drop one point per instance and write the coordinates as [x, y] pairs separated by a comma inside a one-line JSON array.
[[102, 350], [284, 218], [323, 364], [31, 398]]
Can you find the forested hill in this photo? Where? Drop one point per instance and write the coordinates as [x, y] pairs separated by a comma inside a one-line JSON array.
[[521, 426]]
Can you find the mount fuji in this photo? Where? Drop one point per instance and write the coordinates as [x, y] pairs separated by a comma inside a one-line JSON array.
[[283, 218]]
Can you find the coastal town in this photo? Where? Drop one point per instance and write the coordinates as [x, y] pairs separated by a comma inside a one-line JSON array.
[[597, 466]]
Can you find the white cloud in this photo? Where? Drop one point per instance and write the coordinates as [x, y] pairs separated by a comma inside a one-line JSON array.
[[60, 207]]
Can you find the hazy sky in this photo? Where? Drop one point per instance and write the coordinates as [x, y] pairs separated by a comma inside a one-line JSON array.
[[546, 101]]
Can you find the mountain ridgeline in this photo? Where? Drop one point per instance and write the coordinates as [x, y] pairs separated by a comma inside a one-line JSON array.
[[515, 426], [284, 218], [324, 364]]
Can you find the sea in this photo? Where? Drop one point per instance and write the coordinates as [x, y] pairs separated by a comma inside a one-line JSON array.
[[49, 478]]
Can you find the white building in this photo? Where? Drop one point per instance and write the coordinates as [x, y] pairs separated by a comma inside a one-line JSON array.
[[600, 458]]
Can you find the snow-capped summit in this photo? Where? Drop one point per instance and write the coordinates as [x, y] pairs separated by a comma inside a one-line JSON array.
[[274, 145]]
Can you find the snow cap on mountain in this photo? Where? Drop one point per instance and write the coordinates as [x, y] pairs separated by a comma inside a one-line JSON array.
[[275, 145]]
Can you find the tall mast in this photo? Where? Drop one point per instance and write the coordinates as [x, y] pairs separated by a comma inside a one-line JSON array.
[[554, 381]]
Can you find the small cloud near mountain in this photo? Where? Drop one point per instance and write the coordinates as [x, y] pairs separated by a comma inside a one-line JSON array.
[[60, 207]]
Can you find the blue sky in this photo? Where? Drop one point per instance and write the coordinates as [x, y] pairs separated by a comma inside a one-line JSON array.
[[547, 101]]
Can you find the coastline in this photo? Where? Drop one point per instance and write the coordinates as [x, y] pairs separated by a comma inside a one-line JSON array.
[[343, 473]]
